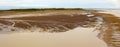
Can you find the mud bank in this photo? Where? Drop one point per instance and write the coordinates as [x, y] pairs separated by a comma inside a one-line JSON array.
[[63, 29], [110, 31]]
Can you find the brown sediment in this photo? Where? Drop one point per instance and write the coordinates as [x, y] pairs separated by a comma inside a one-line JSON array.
[[109, 34], [5, 22], [62, 19], [13, 12], [67, 21]]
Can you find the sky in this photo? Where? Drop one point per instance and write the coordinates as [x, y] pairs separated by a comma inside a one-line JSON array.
[[11, 4]]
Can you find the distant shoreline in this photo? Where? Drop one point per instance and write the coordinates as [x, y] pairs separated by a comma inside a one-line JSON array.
[[44, 9]]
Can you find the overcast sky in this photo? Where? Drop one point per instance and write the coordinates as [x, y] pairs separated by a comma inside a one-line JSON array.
[[8, 4]]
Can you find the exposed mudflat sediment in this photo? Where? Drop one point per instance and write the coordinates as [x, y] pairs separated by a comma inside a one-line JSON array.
[[79, 29], [110, 34], [53, 23]]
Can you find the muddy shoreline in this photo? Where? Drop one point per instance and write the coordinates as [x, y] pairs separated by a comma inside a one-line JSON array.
[[57, 20], [62, 21], [111, 31]]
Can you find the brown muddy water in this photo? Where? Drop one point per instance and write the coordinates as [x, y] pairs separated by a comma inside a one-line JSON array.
[[61, 30], [78, 37]]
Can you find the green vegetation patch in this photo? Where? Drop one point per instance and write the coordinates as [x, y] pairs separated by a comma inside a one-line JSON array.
[[42, 9]]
